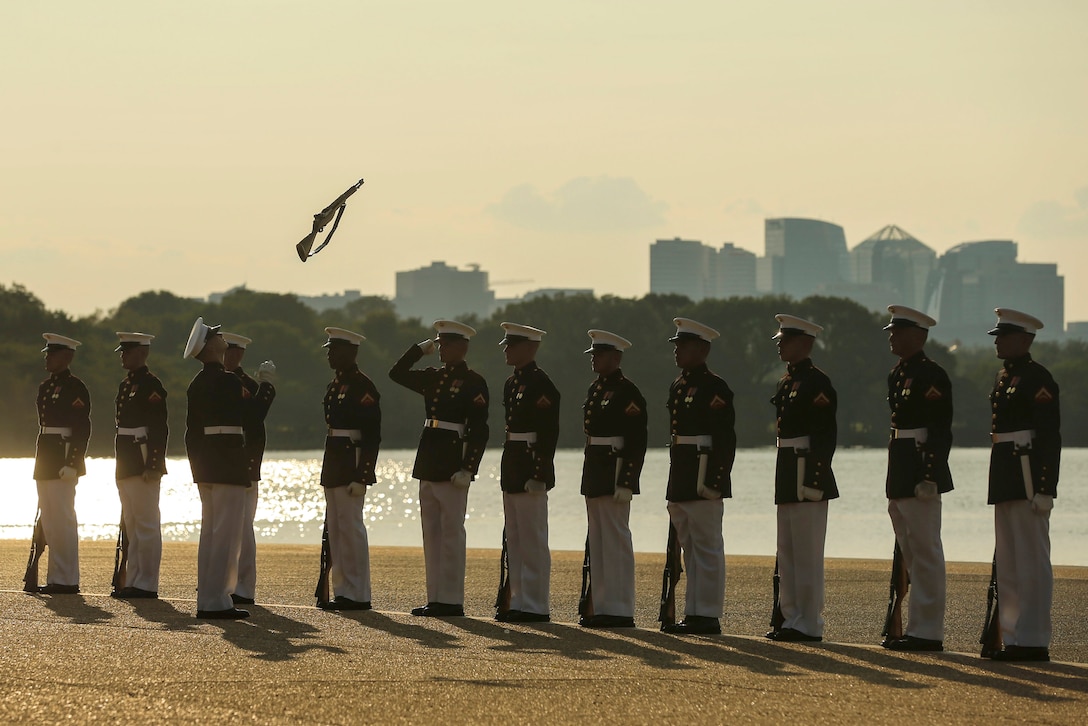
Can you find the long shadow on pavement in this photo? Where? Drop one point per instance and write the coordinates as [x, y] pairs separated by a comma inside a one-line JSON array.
[[425, 636], [272, 637], [76, 609]]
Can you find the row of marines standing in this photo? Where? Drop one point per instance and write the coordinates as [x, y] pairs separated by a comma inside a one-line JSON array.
[[1023, 475]]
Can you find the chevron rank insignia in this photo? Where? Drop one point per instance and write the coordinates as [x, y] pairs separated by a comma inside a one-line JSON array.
[[78, 403], [367, 400], [543, 402], [933, 394], [479, 400], [1044, 396], [632, 409], [821, 400], [718, 403]]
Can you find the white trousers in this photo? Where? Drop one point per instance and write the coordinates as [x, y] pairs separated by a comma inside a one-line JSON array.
[[802, 529], [1025, 580], [140, 512], [699, 530], [917, 525], [348, 545], [247, 555], [442, 509], [611, 556], [530, 558], [58, 504], [222, 507]]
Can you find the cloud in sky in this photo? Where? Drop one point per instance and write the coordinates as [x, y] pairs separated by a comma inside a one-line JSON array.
[[1053, 220], [582, 205]]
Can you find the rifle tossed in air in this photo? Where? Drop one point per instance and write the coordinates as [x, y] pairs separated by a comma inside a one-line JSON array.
[[666, 615], [321, 219], [37, 548], [897, 591], [990, 640]]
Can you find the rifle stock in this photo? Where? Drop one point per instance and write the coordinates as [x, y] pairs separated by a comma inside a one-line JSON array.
[[897, 591], [990, 640], [777, 618], [120, 557], [502, 599], [321, 219], [669, 578], [321, 592], [585, 600], [37, 548]]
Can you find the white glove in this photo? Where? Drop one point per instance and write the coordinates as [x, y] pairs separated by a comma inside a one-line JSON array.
[[535, 486], [356, 489], [427, 346], [926, 490], [812, 494], [707, 493], [461, 479], [68, 475], [151, 476], [266, 372], [1042, 504], [622, 495]]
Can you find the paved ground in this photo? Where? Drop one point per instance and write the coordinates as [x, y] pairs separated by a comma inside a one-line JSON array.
[[87, 658]]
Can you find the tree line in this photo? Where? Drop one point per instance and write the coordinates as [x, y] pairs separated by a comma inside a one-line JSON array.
[[853, 350]]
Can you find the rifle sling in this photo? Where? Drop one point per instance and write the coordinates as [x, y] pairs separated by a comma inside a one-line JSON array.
[[335, 224]]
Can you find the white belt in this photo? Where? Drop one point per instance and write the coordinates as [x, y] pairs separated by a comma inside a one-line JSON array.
[[703, 440], [59, 430], [799, 442], [528, 437], [140, 432], [616, 442], [211, 430], [919, 435], [433, 423], [1020, 438], [353, 434]]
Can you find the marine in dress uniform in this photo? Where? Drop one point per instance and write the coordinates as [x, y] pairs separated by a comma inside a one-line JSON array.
[[353, 415], [450, 448], [1024, 462], [703, 446], [804, 482], [218, 408], [140, 450], [527, 473], [260, 400], [920, 397], [614, 422], [64, 419]]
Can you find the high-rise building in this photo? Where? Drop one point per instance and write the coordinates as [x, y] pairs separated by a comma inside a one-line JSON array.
[[441, 291], [973, 278], [736, 273], [802, 257], [895, 265], [682, 267]]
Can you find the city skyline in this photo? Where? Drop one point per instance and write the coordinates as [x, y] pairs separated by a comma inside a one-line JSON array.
[[186, 148]]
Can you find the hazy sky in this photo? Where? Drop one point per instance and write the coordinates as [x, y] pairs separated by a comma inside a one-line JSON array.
[[186, 145]]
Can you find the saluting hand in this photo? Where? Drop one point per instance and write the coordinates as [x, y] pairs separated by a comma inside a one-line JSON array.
[[266, 372], [427, 346]]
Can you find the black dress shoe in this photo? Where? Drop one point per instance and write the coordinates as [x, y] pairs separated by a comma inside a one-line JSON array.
[[1023, 653], [911, 643], [422, 609], [59, 589], [239, 600], [504, 617], [791, 635], [694, 625], [134, 593], [442, 610], [520, 616], [606, 621], [344, 603], [228, 614]]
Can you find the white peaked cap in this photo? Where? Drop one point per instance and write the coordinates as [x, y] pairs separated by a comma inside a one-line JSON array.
[[905, 317], [236, 341], [131, 340], [1014, 321], [453, 329], [53, 341], [604, 340], [793, 325], [198, 336], [515, 333], [342, 336], [689, 329]]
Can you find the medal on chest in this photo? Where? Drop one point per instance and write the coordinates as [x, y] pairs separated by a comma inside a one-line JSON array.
[[455, 387], [906, 387], [794, 389], [690, 396], [1012, 386], [607, 398], [342, 394], [520, 394]]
